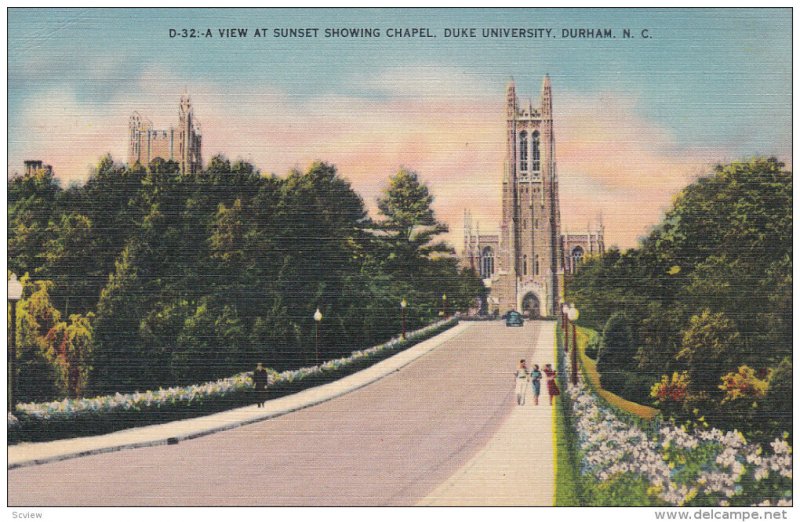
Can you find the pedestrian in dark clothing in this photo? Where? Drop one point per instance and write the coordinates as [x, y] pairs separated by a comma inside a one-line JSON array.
[[552, 387], [536, 382], [260, 380]]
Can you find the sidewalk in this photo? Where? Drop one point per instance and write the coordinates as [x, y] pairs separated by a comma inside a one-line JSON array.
[[29, 454], [516, 468]]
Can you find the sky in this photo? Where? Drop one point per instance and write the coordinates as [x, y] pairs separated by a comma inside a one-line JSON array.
[[636, 119]]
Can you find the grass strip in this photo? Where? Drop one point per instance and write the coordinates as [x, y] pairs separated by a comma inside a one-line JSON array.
[[565, 446]]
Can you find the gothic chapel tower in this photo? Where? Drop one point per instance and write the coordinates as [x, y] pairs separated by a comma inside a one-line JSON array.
[[530, 271], [189, 138]]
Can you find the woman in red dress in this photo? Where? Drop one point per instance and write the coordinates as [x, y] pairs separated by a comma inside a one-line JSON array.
[[552, 387]]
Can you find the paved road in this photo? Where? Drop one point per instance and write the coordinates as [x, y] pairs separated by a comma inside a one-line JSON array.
[[517, 465], [390, 443]]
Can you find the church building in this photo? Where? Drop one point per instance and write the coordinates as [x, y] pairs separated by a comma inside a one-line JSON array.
[[523, 266], [181, 144]]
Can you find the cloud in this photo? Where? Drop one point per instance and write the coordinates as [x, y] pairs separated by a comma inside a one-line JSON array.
[[66, 133], [446, 124], [615, 163]]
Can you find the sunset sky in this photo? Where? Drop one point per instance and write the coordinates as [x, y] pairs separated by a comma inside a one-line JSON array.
[[635, 119]]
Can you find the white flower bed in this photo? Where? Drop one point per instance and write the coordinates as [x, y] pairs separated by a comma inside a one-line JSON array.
[[679, 465], [179, 395]]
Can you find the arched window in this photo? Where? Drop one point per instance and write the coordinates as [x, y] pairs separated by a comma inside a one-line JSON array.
[[536, 265], [523, 151], [524, 265], [535, 143], [577, 257], [487, 263]]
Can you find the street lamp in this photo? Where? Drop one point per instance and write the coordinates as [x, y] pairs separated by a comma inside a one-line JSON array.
[[14, 295], [564, 325], [444, 305], [573, 315], [317, 320], [403, 305]]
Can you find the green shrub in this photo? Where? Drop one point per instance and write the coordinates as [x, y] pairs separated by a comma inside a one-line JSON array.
[[629, 385], [779, 397], [593, 348], [625, 490], [617, 351]]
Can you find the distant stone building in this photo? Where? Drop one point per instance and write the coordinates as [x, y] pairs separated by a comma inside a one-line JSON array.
[[32, 166], [524, 265], [182, 144], [479, 249], [576, 246]]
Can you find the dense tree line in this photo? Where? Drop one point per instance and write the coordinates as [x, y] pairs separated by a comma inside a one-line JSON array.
[[145, 277], [707, 296]]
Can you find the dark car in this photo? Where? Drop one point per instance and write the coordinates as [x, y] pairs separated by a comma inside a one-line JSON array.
[[514, 319]]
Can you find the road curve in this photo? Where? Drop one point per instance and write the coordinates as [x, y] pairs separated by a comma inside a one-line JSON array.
[[388, 444]]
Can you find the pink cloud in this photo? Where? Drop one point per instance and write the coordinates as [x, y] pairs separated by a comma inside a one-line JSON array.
[[614, 163]]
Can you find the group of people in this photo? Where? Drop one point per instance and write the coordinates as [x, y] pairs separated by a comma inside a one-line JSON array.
[[522, 376]]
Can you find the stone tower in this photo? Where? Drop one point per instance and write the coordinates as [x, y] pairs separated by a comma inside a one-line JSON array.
[[189, 138], [531, 227], [528, 266], [524, 267]]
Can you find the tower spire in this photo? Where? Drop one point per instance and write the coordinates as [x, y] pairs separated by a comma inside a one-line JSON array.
[[511, 98], [547, 98]]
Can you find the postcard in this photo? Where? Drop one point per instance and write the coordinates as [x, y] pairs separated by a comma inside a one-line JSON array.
[[400, 257]]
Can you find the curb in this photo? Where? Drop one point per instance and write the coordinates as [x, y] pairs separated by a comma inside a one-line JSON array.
[[391, 366]]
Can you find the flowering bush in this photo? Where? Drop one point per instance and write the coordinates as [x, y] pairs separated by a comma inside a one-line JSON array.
[[678, 466], [744, 384], [671, 390], [222, 393]]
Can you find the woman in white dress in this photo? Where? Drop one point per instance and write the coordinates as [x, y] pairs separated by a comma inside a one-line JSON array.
[[521, 378]]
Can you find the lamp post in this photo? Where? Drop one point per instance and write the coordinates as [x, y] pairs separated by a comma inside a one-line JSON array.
[[573, 315], [403, 305], [14, 295], [444, 305], [317, 320], [564, 325]]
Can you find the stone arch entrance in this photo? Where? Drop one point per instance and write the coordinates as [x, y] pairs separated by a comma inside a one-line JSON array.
[[531, 306], [577, 258]]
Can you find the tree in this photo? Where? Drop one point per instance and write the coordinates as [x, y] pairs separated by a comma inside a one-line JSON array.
[[617, 351], [119, 365], [68, 260], [709, 289], [72, 345], [37, 368], [198, 276], [32, 202], [160, 166], [778, 401], [227, 236], [409, 222], [709, 341], [219, 164]]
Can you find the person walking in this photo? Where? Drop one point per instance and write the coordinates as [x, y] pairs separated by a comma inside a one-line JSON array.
[[552, 387], [536, 383], [521, 378], [260, 381]]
